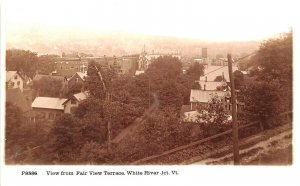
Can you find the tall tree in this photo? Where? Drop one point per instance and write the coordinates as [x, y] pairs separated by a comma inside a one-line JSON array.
[[213, 118], [262, 102], [164, 68], [195, 71], [13, 121], [48, 86], [274, 59], [170, 95], [65, 139], [99, 79], [274, 63], [270, 93], [22, 60], [46, 63], [238, 79]]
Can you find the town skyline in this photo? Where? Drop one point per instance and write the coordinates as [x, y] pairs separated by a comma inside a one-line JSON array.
[[119, 44]]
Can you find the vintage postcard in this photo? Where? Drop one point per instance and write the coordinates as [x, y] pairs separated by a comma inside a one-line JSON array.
[[116, 92]]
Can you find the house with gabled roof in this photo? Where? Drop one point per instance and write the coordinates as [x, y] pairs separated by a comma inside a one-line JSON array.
[[14, 80], [48, 108], [77, 79], [198, 97], [73, 102]]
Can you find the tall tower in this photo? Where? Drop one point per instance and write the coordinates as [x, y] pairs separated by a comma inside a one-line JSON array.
[[204, 52], [204, 55]]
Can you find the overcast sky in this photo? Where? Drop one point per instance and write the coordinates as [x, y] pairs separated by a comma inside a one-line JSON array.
[[216, 20]]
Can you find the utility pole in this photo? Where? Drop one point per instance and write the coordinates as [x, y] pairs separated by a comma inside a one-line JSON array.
[[235, 130]]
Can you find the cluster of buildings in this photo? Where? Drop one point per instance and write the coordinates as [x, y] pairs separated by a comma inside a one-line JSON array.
[[70, 71], [214, 83], [73, 71], [20, 93], [129, 64]]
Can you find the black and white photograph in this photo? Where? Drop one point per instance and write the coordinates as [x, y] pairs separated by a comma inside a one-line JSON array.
[[147, 83]]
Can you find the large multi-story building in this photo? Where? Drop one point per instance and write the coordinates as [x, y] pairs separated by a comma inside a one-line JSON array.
[[128, 64], [146, 59], [68, 66]]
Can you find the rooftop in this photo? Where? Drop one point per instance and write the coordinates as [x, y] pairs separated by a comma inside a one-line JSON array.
[[48, 103], [10, 74], [204, 96], [81, 96], [82, 75], [211, 85], [40, 76], [211, 72]]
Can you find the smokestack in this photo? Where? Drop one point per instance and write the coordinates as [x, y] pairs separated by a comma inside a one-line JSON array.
[[204, 87]]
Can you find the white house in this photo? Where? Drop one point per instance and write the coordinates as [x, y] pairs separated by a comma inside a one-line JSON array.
[[204, 96], [73, 102], [14, 80], [146, 59]]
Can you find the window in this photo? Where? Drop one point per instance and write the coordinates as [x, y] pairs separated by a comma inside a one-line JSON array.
[[12, 84], [18, 83], [16, 77], [57, 115], [77, 80], [51, 116], [73, 101], [42, 115]]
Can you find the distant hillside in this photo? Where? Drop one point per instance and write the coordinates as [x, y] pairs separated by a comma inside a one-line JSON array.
[[117, 43]]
